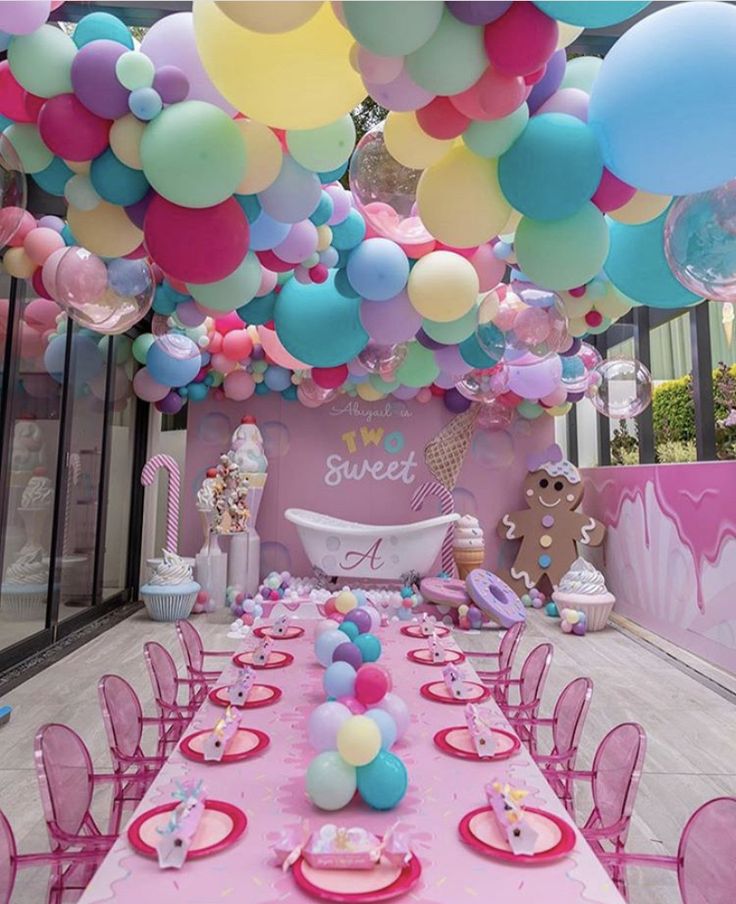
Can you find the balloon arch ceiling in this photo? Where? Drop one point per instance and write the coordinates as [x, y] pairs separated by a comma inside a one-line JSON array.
[[512, 203]]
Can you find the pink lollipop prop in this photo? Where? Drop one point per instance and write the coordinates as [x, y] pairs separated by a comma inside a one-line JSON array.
[[166, 463]]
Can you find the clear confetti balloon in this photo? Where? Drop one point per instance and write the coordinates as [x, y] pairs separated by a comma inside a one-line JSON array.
[[494, 416], [537, 328], [589, 355], [484, 385], [489, 335], [700, 242], [382, 359], [622, 388], [311, 395]]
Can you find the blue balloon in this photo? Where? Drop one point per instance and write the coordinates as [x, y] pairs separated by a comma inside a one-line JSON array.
[[655, 112], [327, 642], [334, 175], [102, 26], [86, 358], [277, 378], [343, 286], [324, 210], [163, 303], [197, 392], [53, 179], [115, 182], [174, 371], [378, 269], [68, 236], [386, 725], [350, 233], [258, 310], [339, 680], [145, 103], [317, 325], [4, 40], [369, 646], [350, 629], [127, 277], [266, 233], [251, 206], [290, 394], [383, 782], [552, 168], [637, 266]]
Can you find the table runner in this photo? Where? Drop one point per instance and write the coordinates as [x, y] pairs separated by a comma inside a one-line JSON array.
[[271, 790]]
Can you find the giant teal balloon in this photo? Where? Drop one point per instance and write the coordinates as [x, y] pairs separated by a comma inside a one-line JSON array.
[[662, 104], [637, 265], [553, 167], [393, 27], [318, 325], [591, 13]]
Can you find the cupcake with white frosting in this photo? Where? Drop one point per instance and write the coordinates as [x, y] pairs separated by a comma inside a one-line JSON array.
[[468, 545], [584, 588], [171, 592], [25, 587]]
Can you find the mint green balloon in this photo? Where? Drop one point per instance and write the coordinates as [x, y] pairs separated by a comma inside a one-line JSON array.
[[529, 410], [193, 154], [563, 254], [141, 344], [217, 377], [28, 144], [324, 149], [234, 290], [331, 782], [135, 70], [42, 61], [581, 73], [419, 368], [455, 330], [393, 27], [491, 139], [381, 385], [453, 59]]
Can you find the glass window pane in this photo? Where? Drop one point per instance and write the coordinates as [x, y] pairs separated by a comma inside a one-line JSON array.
[[723, 359], [623, 434], [673, 409]]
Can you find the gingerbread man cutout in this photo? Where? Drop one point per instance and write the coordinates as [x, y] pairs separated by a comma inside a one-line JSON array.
[[551, 528]]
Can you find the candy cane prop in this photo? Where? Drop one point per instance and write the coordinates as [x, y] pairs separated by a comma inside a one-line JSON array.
[[167, 463], [447, 507]]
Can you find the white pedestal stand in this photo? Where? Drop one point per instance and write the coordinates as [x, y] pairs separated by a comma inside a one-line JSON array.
[[244, 562]]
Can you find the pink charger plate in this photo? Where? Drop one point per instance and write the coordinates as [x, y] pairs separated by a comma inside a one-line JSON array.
[[260, 695], [278, 659], [480, 830], [292, 632], [424, 657], [359, 886], [222, 825], [457, 742]]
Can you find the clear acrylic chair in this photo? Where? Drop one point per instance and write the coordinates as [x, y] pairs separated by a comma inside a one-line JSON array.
[[67, 782], [173, 717], [522, 714], [195, 656], [65, 867], [124, 722], [505, 656], [706, 856]]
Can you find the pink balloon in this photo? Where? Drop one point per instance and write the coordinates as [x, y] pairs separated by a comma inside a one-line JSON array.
[[536, 379], [224, 324], [572, 101], [372, 683], [269, 279], [400, 94], [326, 624], [276, 352], [558, 396], [48, 274], [237, 345], [214, 346], [341, 203], [146, 388], [12, 94], [15, 226], [299, 244], [223, 364], [41, 314], [493, 96], [398, 710], [378, 69], [81, 277], [21, 17], [239, 386], [522, 40], [70, 130], [489, 268], [355, 706], [392, 321], [441, 119], [40, 244], [31, 343], [189, 314], [612, 193]]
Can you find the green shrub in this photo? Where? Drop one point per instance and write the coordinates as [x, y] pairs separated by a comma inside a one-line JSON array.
[[673, 411]]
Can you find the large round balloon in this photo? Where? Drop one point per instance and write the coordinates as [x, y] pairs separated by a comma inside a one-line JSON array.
[[443, 286], [317, 324], [233, 291], [452, 60], [300, 79], [591, 13], [105, 229], [552, 169], [42, 61], [392, 28], [637, 266], [382, 783], [70, 130], [655, 112], [378, 269]]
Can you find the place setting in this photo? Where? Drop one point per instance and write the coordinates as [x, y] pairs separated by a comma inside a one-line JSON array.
[[279, 630], [477, 740], [244, 692], [426, 626], [226, 742], [454, 689], [435, 654], [264, 656]]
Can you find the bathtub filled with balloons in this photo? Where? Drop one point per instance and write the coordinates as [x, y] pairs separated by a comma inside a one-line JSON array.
[[511, 204]]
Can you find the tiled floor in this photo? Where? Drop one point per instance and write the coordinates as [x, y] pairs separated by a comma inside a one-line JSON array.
[[691, 729]]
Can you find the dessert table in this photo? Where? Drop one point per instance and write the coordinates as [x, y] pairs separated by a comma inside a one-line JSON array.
[[270, 788]]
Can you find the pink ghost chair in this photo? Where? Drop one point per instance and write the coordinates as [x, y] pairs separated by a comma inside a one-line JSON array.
[[173, 717], [706, 856], [124, 724], [505, 656], [530, 687], [195, 656]]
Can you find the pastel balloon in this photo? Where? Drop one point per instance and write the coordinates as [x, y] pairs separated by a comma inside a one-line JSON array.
[[95, 82], [382, 783], [96, 26], [592, 13], [115, 182], [402, 93], [378, 269], [393, 28], [369, 646], [386, 726], [612, 193], [233, 291], [239, 385], [326, 644], [174, 363], [536, 379], [299, 244], [263, 154], [148, 389], [171, 84], [331, 782], [642, 208], [324, 148], [493, 96], [389, 322], [70, 130], [408, 143], [451, 60], [22, 18], [339, 680], [106, 230], [378, 67], [571, 101], [41, 61], [495, 137], [125, 139], [294, 194], [358, 740], [522, 40], [443, 286], [549, 83], [40, 244], [477, 12], [29, 146]]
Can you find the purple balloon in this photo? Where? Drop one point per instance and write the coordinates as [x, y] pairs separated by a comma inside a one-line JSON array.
[[347, 652], [549, 82], [170, 404], [401, 94], [405, 393], [450, 361], [445, 380], [477, 12], [571, 101], [52, 222], [137, 212], [575, 396], [428, 341], [392, 321], [171, 84], [455, 402], [189, 314], [537, 378], [361, 619], [94, 81], [574, 348]]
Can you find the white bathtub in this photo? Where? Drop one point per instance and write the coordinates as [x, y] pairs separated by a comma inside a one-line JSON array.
[[382, 552]]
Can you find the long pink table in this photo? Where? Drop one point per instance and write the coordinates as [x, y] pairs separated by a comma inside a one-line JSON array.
[[270, 788]]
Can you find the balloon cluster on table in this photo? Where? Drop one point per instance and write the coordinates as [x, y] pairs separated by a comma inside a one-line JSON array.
[[573, 621], [512, 202], [351, 641]]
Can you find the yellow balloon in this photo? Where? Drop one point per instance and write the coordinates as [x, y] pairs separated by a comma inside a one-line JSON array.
[[559, 410], [462, 611], [460, 201], [642, 208], [345, 601], [125, 140], [576, 326], [263, 156], [81, 167], [324, 237], [409, 145], [614, 304], [269, 18], [573, 616], [443, 286], [509, 227], [17, 263], [368, 393], [300, 79], [105, 230], [566, 34], [575, 307], [358, 740]]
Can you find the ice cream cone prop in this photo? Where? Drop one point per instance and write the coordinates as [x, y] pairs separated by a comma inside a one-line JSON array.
[[469, 547], [467, 560], [445, 453]]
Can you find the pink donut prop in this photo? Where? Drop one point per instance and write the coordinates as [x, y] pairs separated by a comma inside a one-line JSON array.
[[494, 598], [444, 591]]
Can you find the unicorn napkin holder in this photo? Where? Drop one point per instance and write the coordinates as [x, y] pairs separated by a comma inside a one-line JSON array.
[[427, 625], [505, 802], [177, 835], [280, 626], [240, 689], [436, 650], [454, 683], [480, 731], [335, 847], [221, 737], [262, 652]]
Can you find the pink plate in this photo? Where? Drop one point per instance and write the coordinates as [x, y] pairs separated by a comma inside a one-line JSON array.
[[457, 742], [357, 885], [480, 830], [222, 824], [246, 743], [444, 591], [416, 631], [424, 657], [260, 695], [276, 660], [292, 632], [437, 691]]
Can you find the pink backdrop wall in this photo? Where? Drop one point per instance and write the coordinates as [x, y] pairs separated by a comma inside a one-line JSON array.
[[670, 552], [334, 460]]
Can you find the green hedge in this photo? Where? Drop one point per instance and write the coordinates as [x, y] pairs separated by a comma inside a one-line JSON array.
[[673, 409]]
